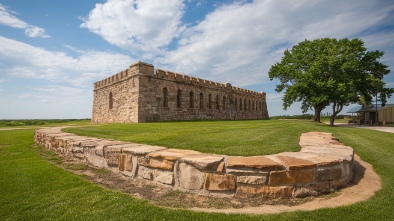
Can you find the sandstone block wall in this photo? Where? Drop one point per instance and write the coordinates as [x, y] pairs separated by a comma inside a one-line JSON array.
[[143, 94], [322, 165]]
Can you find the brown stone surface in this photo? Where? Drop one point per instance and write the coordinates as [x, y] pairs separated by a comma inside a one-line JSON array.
[[172, 154], [252, 179], [325, 161], [256, 162], [223, 182], [264, 192], [207, 162], [125, 162], [165, 177], [189, 177], [294, 163], [111, 155], [220, 167], [328, 174], [161, 164], [141, 149], [279, 178]]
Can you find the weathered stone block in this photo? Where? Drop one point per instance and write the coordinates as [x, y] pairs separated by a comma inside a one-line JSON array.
[[246, 191], [125, 162], [141, 149], [111, 155], [279, 178], [145, 173], [255, 162], [304, 192], [206, 162], [252, 179], [188, 177], [223, 182], [165, 178], [96, 161], [161, 164], [172, 154], [328, 174], [294, 163]]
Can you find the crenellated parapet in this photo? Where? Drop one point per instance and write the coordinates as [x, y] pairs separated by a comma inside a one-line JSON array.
[[141, 68], [134, 69]]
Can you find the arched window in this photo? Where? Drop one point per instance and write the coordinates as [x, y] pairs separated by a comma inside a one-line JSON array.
[[165, 97], [224, 103], [179, 98], [210, 101], [111, 101], [201, 101], [217, 102], [191, 99], [248, 105], [240, 104], [235, 104], [245, 104]]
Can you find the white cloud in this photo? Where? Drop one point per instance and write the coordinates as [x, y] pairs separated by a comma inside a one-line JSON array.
[[7, 18], [34, 31], [239, 42], [137, 25], [26, 61]]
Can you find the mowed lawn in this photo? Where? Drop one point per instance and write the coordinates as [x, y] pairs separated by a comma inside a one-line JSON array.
[[33, 189]]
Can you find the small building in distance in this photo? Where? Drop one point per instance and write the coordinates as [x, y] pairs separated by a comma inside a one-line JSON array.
[[367, 113], [142, 93]]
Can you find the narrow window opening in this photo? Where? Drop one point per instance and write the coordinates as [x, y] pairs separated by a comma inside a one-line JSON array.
[[179, 98], [224, 103], [217, 102], [191, 99], [210, 101], [111, 100], [165, 97], [201, 101]]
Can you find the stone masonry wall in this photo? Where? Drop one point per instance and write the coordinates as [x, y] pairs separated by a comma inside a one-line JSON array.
[[142, 94], [322, 165]]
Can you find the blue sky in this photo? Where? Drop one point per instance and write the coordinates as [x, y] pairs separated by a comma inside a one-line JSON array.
[[51, 52]]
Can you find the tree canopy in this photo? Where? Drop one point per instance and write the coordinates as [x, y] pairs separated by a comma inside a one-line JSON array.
[[329, 71]]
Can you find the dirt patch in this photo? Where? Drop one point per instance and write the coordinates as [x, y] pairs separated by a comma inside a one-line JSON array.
[[364, 185]]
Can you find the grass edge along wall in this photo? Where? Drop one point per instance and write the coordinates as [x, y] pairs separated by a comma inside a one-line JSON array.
[[144, 94]]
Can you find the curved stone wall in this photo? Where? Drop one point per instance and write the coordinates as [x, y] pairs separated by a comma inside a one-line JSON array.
[[322, 165]]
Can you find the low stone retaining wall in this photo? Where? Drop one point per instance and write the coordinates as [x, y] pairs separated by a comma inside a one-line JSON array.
[[322, 165]]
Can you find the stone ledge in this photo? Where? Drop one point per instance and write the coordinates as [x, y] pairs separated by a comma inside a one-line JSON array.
[[322, 165]]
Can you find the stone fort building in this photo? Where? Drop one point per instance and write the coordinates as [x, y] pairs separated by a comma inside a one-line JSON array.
[[144, 94]]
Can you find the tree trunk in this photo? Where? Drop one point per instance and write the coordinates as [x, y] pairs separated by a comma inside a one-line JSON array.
[[316, 117], [336, 108]]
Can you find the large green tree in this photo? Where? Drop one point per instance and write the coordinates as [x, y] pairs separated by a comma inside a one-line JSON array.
[[329, 71]]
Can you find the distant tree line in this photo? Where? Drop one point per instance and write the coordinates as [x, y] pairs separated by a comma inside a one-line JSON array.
[[27, 122]]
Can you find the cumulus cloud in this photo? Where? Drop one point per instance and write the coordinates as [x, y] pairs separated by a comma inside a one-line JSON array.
[[140, 26], [240, 41], [8, 18], [26, 61]]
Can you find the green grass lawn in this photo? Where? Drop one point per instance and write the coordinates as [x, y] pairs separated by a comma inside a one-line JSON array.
[[33, 189]]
